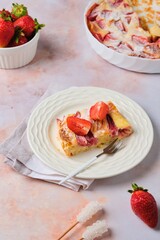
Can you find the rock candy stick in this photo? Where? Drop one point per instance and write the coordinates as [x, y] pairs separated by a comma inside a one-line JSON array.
[[86, 213], [96, 230]]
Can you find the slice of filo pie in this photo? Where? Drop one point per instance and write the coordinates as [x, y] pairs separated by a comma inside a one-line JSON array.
[[91, 128]]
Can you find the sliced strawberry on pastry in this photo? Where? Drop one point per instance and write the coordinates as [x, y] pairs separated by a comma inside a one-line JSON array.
[[99, 111], [92, 127], [92, 13], [140, 39], [126, 47], [120, 25], [87, 140], [111, 125], [78, 125]]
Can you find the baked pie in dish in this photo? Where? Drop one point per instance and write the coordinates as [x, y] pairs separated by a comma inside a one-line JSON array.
[[119, 25], [90, 128]]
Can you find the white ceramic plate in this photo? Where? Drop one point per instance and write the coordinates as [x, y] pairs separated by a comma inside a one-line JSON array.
[[131, 63], [42, 132]]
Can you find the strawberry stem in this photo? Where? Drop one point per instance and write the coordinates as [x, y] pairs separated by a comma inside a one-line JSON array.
[[37, 25], [135, 187], [18, 34], [5, 15], [19, 10]]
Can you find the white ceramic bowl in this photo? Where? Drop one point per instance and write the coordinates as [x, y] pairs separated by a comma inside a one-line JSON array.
[[19, 56], [131, 63]]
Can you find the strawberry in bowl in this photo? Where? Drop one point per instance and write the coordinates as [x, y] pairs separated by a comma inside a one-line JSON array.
[[19, 34], [6, 28]]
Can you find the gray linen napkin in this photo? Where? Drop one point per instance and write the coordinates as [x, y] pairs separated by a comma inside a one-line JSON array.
[[20, 157]]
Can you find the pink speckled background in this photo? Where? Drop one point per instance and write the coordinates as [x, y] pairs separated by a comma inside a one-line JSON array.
[[35, 210]]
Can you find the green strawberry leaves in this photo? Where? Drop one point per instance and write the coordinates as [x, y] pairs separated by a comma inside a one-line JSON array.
[[38, 25], [135, 187]]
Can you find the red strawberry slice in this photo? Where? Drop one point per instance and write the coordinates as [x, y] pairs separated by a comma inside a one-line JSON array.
[[116, 3], [92, 13], [128, 19], [144, 205], [81, 140], [140, 39], [109, 36], [101, 23], [111, 125], [87, 140], [119, 24], [99, 111], [78, 125], [98, 36]]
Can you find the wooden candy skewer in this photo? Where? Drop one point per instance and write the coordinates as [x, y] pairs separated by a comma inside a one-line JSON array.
[[68, 230], [86, 213]]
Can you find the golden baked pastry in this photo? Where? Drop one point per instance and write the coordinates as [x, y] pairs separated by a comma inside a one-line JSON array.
[[90, 128]]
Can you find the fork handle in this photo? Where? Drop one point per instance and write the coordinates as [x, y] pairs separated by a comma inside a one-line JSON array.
[[78, 170]]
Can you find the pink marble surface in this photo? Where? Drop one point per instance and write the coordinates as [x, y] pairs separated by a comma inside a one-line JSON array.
[[35, 210]]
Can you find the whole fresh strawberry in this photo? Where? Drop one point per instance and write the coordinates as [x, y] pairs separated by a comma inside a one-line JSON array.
[[18, 39], [144, 205], [5, 14], [6, 31], [18, 10], [28, 25]]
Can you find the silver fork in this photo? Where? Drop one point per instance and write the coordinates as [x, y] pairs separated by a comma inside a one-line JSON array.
[[112, 148]]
